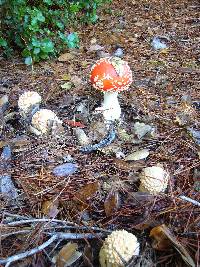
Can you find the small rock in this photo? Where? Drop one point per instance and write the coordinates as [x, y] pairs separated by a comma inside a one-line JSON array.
[[186, 99], [65, 169], [7, 188], [157, 43], [68, 158], [195, 134], [95, 47], [81, 137], [101, 54], [6, 154], [137, 155], [4, 103], [141, 129], [119, 52]]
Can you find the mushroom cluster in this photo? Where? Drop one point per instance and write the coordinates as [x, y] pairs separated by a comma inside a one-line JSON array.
[[153, 180], [111, 76], [118, 248], [39, 121]]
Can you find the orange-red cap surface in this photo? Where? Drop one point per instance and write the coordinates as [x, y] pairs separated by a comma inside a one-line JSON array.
[[111, 75]]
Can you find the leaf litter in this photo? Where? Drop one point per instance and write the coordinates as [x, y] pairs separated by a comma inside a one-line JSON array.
[[167, 127]]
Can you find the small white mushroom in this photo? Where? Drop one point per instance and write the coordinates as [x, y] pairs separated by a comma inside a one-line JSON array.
[[28, 103], [153, 180], [119, 245], [44, 122]]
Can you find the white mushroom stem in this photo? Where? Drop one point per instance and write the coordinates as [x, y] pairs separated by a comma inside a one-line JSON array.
[[111, 107]]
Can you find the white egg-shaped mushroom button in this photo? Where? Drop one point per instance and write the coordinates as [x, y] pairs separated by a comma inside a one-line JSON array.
[[44, 121], [153, 180], [28, 102], [119, 245]]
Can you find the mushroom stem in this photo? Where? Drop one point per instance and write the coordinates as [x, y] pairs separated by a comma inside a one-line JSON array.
[[112, 110]]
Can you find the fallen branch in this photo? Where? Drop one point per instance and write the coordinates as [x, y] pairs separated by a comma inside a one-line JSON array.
[[55, 236], [188, 199], [26, 254]]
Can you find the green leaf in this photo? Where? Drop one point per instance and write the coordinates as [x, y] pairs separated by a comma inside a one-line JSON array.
[[48, 2], [36, 50], [28, 60], [47, 46], [35, 42], [3, 42], [73, 40]]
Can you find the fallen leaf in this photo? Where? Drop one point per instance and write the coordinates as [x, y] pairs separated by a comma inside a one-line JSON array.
[[123, 135], [66, 57], [111, 203], [87, 191], [164, 239], [127, 166], [160, 242], [88, 256], [66, 77], [67, 85], [74, 123], [137, 155], [68, 255], [76, 80], [50, 208]]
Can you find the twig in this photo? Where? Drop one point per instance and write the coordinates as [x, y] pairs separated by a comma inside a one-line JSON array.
[[54, 237], [190, 200], [26, 254], [38, 220], [66, 224], [15, 233]]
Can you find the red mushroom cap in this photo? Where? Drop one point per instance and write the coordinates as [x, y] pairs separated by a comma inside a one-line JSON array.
[[111, 74]]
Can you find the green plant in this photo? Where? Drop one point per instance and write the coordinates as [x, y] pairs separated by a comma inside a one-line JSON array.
[[39, 28]]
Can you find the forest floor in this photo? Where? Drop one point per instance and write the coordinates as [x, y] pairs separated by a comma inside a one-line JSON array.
[[102, 194]]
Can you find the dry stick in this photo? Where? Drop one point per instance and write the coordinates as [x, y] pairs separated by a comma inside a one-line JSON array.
[[35, 250], [23, 255], [66, 224], [196, 203]]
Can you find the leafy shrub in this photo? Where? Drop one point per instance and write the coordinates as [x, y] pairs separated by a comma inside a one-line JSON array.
[[38, 27]]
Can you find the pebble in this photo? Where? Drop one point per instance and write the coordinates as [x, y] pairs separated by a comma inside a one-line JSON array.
[[158, 44], [6, 154], [141, 129], [7, 188], [119, 52], [65, 169]]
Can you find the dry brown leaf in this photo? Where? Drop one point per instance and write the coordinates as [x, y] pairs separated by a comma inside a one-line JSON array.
[[164, 240], [67, 255], [50, 208], [87, 191], [88, 256], [111, 203], [121, 164], [66, 57]]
